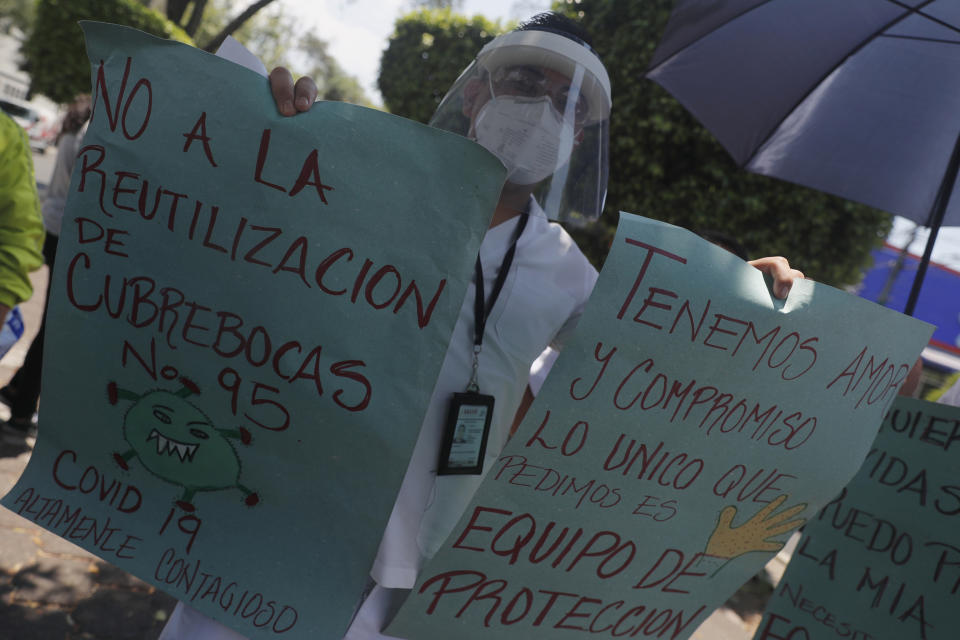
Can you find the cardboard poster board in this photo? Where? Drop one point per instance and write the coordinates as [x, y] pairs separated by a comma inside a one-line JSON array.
[[247, 318], [881, 561], [692, 424]]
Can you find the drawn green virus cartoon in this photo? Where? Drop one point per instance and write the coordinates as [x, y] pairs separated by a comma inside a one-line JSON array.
[[178, 443]]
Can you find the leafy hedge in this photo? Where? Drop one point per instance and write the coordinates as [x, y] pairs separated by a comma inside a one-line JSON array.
[[665, 165], [425, 54], [55, 54]]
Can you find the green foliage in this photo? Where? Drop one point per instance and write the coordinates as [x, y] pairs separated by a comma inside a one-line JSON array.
[[216, 15], [425, 54], [16, 13], [268, 34], [55, 54], [333, 83], [276, 38], [665, 165], [455, 5]]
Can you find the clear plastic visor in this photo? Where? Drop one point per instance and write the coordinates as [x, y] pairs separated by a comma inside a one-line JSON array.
[[547, 123]]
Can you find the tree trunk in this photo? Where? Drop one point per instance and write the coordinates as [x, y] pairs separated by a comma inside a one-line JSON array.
[[195, 17], [235, 24], [176, 9]]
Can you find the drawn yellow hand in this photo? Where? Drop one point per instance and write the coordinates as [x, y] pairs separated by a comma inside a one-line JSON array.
[[729, 542]]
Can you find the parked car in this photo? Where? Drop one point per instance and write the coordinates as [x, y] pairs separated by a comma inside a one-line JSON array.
[[41, 128]]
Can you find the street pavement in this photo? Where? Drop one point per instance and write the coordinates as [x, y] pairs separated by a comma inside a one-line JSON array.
[[51, 589]]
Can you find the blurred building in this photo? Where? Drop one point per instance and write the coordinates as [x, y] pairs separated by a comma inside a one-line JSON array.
[[888, 283], [14, 83], [40, 116]]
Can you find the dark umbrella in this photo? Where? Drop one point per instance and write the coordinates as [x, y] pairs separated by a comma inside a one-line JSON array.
[[858, 98]]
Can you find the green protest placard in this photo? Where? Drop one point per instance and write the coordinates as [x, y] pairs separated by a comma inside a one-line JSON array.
[[692, 423], [247, 319], [881, 561]]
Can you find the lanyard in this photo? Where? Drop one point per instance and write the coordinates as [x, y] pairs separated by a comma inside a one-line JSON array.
[[481, 310]]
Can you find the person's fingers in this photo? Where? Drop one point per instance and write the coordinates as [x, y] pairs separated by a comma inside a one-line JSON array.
[[724, 543], [784, 515], [912, 380], [778, 268], [782, 288], [281, 85], [305, 92], [765, 512], [783, 527], [726, 517]]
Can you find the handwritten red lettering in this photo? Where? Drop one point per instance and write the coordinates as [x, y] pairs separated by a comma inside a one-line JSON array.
[[199, 132], [114, 115]]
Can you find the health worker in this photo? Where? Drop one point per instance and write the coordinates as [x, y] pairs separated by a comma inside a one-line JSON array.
[[538, 98]]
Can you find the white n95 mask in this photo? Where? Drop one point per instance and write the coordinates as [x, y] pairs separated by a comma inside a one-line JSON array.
[[528, 135]]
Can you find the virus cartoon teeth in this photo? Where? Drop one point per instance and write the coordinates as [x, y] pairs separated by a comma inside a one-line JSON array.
[[178, 443]]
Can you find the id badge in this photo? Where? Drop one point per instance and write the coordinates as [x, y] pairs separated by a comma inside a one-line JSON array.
[[465, 435]]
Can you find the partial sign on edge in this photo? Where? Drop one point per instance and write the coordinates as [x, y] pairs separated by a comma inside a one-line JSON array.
[[247, 318]]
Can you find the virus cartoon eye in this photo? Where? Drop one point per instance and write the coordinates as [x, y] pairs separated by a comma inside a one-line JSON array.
[[162, 416], [197, 433]]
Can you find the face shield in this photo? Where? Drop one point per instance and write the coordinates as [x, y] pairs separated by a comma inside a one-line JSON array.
[[540, 102]]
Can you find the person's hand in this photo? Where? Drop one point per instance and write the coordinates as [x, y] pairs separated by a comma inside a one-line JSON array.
[[913, 379], [4, 310], [292, 98], [779, 269], [728, 541]]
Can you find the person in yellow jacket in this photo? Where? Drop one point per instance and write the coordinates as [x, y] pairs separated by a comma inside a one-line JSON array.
[[21, 225]]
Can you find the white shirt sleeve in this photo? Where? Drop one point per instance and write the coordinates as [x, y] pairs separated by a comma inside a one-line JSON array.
[[579, 278], [541, 367]]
